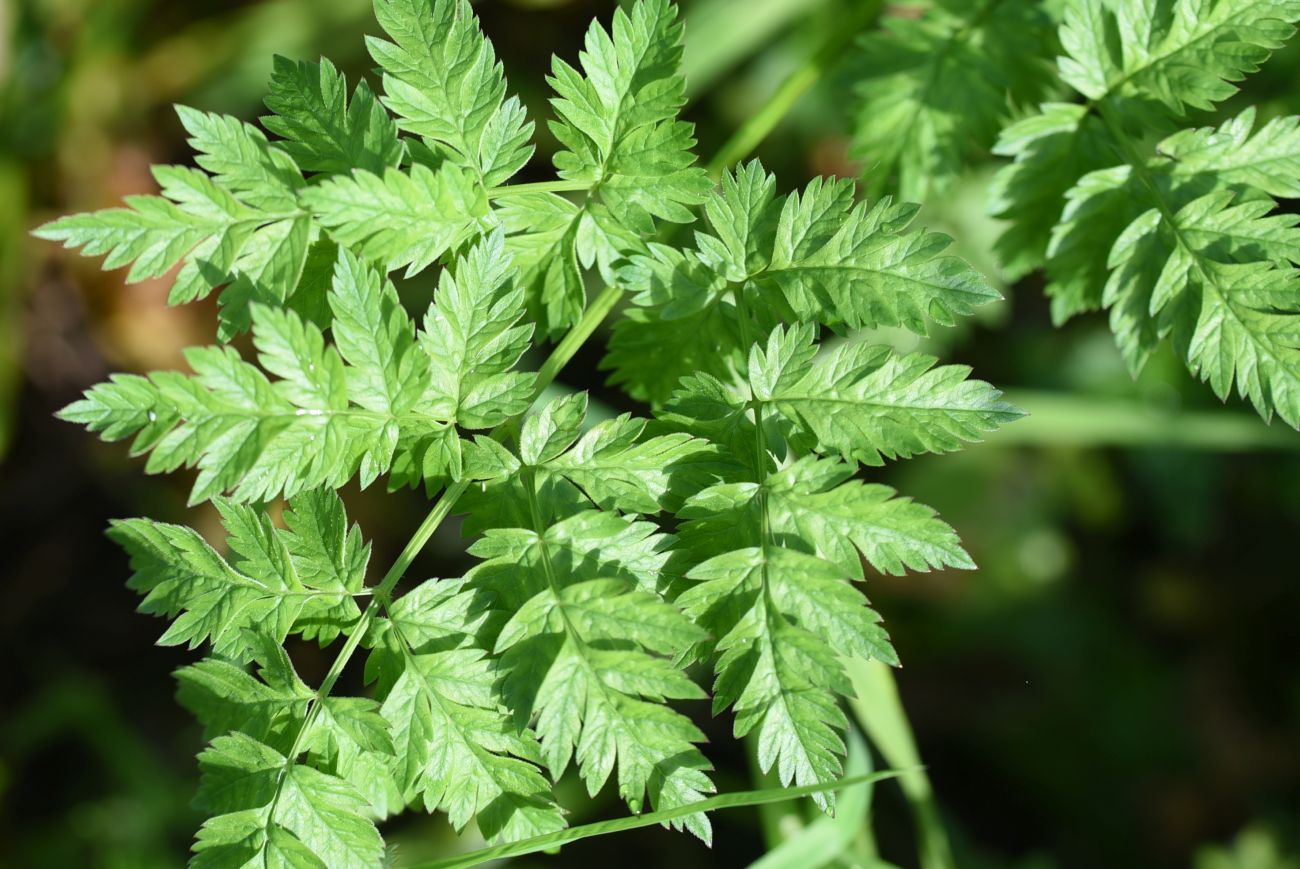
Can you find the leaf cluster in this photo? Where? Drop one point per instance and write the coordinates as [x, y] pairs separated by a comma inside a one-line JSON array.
[[1122, 186], [1173, 229], [933, 86], [726, 529]]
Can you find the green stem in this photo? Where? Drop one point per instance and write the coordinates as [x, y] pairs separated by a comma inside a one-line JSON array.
[[313, 710], [537, 187], [743, 142], [440, 511], [577, 336]]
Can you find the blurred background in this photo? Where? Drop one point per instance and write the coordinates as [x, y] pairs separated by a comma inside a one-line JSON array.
[[1118, 685]]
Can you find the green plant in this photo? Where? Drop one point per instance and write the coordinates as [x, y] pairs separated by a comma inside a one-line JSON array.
[[569, 642], [1177, 238], [1174, 230], [933, 88]]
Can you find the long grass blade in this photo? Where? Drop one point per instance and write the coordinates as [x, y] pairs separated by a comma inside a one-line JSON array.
[[618, 825], [1057, 419], [826, 838], [880, 712]]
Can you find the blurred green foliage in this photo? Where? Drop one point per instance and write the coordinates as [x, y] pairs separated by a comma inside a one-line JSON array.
[[1117, 686]]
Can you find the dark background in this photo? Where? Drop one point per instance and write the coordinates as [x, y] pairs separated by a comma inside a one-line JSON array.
[[1118, 685]]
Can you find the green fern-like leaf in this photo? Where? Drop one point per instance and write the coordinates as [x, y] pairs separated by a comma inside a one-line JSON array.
[[814, 255], [268, 810], [1179, 241], [774, 547], [255, 244], [616, 557], [933, 89], [270, 582], [591, 659], [588, 647], [321, 129], [381, 393], [401, 219], [443, 82], [616, 120]]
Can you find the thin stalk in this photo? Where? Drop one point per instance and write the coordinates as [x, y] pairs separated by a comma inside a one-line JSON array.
[[314, 707], [441, 509], [748, 137], [537, 187], [576, 337]]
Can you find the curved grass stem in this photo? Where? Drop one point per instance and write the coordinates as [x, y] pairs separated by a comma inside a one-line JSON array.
[[752, 133], [551, 841]]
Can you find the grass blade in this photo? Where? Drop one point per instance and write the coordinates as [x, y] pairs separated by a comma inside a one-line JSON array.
[[715, 45], [618, 825], [880, 713], [828, 837], [1057, 419]]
